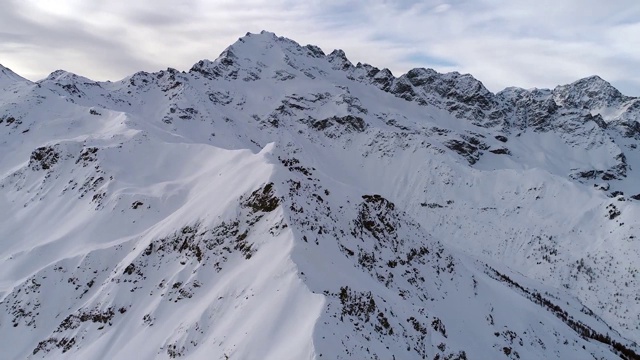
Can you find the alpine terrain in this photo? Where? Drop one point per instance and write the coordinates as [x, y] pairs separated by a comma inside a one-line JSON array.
[[283, 203]]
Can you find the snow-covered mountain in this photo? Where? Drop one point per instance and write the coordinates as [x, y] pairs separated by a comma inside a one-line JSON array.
[[282, 203]]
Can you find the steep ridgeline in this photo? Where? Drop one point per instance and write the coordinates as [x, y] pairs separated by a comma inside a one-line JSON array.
[[281, 203]]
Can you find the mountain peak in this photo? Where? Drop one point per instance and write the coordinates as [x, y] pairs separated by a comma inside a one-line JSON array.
[[263, 39], [263, 35], [593, 78], [267, 33], [339, 60], [593, 81], [7, 76], [592, 92], [60, 76], [268, 42], [250, 54]]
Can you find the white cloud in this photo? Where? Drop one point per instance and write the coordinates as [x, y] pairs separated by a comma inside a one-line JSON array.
[[502, 43], [441, 8]]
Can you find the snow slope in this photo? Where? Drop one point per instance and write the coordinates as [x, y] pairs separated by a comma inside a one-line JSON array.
[[281, 203]]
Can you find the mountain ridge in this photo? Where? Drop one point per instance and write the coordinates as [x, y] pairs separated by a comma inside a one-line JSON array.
[[279, 202]]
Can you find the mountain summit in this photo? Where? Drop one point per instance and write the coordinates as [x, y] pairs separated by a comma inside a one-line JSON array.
[[280, 202], [8, 77]]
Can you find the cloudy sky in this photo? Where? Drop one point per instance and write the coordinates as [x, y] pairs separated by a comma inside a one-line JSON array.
[[503, 43]]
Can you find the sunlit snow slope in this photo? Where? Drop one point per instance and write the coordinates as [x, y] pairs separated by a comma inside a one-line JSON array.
[[281, 203]]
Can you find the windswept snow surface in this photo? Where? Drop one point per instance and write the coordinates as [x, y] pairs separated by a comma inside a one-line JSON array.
[[281, 203]]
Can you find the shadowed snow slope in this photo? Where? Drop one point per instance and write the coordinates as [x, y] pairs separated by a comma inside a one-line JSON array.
[[280, 203]]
